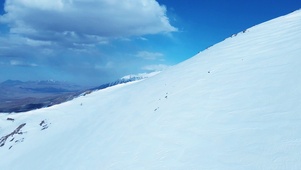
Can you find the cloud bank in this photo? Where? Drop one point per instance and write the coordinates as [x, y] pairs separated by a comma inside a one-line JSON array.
[[149, 55], [85, 21], [78, 38]]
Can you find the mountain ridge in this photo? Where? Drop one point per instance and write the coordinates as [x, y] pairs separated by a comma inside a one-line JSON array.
[[18, 96], [240, 112]]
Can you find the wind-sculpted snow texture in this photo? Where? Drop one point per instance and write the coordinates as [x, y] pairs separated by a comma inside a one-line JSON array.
[[233, 106]]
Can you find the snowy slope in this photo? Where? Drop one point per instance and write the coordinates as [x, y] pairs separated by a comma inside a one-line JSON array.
[[233, 106]]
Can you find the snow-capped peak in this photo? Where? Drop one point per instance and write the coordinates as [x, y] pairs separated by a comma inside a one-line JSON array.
[[140, 75]]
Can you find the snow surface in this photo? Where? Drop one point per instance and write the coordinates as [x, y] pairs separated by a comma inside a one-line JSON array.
[[236, 105]]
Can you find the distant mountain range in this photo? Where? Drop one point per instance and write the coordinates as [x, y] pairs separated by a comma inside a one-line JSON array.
[[18, 89], [19, 96]]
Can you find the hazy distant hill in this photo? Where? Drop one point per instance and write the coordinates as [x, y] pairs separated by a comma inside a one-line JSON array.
[[18, 96]]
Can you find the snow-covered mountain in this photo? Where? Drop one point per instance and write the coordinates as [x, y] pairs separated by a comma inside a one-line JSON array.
[[127, 79], [140, 76], [235, 105]]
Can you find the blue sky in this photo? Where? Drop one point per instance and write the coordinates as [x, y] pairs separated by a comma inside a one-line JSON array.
[[91, 42]]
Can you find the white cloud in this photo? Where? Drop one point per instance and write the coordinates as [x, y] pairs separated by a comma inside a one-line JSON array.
[[143, 38], [107, 65], [37, 42], [79, 20], [22, 64], [149, 55], [158, 67], [41, 4]]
